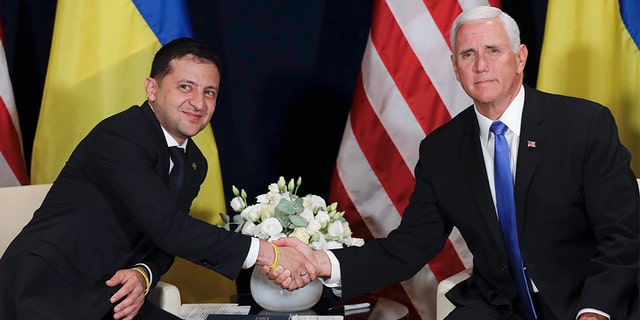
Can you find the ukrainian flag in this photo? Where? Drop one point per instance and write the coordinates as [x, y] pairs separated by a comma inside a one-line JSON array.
[[591, 49], [101, 53]]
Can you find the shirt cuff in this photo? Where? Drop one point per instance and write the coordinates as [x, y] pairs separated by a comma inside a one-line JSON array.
[[336, 277], [252, 256], [148, 271], [585, 310]]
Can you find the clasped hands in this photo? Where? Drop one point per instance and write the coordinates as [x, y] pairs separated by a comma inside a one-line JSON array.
[[298, 265]]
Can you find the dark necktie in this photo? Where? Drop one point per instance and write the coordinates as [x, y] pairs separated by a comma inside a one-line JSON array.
[[505, 203], [176, 176]]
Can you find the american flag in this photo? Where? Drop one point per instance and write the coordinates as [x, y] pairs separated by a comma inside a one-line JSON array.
[[12, 167], [406, 89]]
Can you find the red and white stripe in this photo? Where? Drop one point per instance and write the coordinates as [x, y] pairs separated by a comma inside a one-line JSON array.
[[12, 167], [406, 88]]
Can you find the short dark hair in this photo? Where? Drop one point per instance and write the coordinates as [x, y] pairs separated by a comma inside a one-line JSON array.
[[177, 49]]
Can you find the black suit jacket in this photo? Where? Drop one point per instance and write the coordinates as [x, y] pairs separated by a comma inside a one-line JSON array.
[[109, 209], [577, 213]]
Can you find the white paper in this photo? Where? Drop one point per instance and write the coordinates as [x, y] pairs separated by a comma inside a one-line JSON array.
[[200, 311]]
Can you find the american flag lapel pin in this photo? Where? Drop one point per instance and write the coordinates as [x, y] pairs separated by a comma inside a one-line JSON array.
[[194, 166], [531, 144]]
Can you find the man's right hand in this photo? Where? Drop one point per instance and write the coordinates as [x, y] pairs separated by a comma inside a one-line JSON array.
[[282, 276], [294, 269]]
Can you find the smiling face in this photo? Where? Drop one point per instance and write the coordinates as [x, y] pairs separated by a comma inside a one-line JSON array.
[[184, 99], [488, 69]]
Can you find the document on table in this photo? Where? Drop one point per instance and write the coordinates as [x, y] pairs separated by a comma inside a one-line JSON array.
[[271, 317], [200, 311]]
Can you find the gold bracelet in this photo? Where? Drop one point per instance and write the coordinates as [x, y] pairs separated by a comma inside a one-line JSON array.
[[276, 259], [146, 279]]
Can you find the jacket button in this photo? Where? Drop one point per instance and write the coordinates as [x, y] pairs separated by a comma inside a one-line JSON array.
[[209, 264]]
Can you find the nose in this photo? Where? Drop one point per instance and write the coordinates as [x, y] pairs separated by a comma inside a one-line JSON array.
[[197, 100], [480, 64]]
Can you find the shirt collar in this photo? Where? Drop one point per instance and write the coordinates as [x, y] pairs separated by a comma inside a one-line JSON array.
[[171, 142], [512, 117]]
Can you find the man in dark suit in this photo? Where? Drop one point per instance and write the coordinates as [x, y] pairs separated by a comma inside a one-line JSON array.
[[575, 197], [112, 222]]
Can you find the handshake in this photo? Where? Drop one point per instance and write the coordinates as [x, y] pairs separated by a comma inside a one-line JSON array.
[[294, 265], [300, 225]]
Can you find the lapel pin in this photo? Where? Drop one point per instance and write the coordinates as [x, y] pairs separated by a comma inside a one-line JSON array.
[[193, 165], [531, 144]]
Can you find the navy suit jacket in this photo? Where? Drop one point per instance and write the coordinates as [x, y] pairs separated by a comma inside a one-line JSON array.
[[577, 214], [109, 209]]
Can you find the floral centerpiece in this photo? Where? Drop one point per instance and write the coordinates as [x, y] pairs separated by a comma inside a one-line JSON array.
[[282, 213]]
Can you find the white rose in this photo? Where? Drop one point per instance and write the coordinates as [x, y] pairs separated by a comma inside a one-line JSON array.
[[301, 234], [318, 202], [270, 227], [318, 243], [249, 229], [323, 218], [268, 211], [335, 229], [313, 227], [251, 213], [333, 245], [273, 188], [306, 201], [273, 197], [347, 231], [237, 204], [262, 198], [355, 242], [307, 214]]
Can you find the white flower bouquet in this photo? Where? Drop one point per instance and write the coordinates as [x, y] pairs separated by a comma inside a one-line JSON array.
[[281, 213]]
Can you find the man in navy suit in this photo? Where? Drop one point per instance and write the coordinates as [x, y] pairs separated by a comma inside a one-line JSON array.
[[576, 198], [111, 224]]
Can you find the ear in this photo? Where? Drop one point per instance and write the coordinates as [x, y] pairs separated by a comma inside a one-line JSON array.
[[455, 67], [151, 87], [522, 55]]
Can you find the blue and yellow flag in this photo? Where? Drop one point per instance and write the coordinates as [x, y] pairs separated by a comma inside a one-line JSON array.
[[101, 53], [591, 49]]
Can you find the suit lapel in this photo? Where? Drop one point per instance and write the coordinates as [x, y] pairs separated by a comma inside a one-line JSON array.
[[162, 163], [532, 141], [192, 167], [194, 173], [471, 153]]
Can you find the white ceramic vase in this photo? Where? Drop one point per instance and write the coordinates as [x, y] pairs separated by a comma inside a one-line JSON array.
[[273, 298]]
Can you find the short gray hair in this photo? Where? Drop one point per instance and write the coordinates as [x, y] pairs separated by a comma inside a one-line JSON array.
[[486, 12]]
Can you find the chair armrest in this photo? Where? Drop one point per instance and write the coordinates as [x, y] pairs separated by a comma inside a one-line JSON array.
[[166, 296], [443, 305]]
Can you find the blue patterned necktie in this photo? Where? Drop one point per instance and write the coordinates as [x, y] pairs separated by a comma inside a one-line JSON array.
[[505, 203], [176, 176]]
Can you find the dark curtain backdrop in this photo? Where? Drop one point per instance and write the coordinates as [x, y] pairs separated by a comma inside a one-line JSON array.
[[288, 76]]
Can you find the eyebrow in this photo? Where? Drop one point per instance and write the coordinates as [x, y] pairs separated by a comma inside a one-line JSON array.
[[194, 83], [463, 51]]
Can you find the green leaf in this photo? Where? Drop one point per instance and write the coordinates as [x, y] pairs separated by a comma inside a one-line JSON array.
[[286, 206], [298, 221], [224, 217], [298, 206]]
